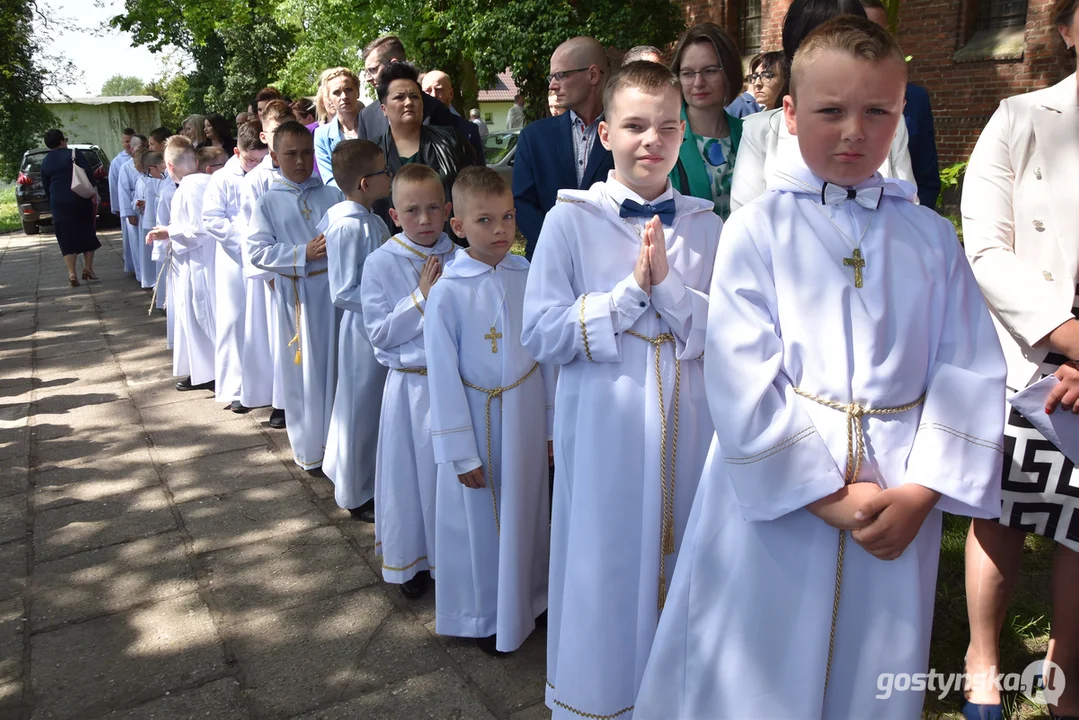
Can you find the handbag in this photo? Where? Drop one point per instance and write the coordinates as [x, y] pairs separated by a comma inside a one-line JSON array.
[[80, 184]]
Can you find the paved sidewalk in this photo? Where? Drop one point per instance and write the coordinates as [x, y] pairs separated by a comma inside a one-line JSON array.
[[161, 557]]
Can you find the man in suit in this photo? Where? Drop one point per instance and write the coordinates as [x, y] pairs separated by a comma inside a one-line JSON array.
[[562, 152], [373, 124], [922, 143]]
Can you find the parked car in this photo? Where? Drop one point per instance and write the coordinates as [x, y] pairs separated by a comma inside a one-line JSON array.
[[30, 193], [499, 148]]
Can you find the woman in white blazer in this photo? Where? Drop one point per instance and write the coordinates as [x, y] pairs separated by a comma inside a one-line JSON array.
[[1021, 230], [766, 142]]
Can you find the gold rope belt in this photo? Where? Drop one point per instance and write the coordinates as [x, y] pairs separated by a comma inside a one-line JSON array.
[[496, 394], [412, 371], [855, 457], [296, 295], [165, 264], [666, 475]]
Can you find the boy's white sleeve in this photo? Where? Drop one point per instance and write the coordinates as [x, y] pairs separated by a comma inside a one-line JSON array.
[[391, 323], [269, 254], [185, 226], [348, 245], [685, 309], [216, 219], [452, 435], [957, 450], [550, 384], [774, 457], [561, 326]]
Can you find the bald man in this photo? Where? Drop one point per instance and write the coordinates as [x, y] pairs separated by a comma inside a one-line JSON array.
[[437, 84], [562, 152]]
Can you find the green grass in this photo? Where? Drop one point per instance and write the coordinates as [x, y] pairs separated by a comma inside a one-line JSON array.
[[1026, 631], [9, 211]]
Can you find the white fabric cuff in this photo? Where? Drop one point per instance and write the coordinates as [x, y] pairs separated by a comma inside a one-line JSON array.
[[463, 466], [628, 302]]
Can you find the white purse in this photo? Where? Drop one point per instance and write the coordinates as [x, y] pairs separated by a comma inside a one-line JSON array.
[[80, 184]]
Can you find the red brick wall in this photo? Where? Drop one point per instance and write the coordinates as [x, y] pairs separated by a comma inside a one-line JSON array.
[[964, 95]]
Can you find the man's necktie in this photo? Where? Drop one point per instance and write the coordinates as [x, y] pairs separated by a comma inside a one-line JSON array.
[[869, 197], [665, 210]]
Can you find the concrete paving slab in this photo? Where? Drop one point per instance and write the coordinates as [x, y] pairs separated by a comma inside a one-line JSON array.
[[53, 407], [177, 442], [12, 569], [219, 700], [301, 659], [91, 469], [74, 344], [202, 412], [110, 579], [538, 711], [71, 386], [88, 368], [284, 571], [84, 526], [15, 471], [86, 448], [96, 488], [514, 682], [12, 517], [86, 669], [83, 416], [12, 628], [440, 695], [224, 473], [248, 516]]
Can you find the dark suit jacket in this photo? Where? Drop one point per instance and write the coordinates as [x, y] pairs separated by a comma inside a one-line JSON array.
[[373, 124], [922, 144], [543, 165]]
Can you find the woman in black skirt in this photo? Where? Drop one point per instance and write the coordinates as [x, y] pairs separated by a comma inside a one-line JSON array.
[[73, 217]]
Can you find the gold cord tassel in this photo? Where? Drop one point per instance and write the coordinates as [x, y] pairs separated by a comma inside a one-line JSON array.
[[662, 591]]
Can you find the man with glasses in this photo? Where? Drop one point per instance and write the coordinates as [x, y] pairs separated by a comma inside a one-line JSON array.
[[562, 152], [373, 124]]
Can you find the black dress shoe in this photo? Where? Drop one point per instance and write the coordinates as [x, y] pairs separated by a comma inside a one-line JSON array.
[[185, 385], [238, 408], [487, 644], [277, 419], [417, 586], [364, 513]]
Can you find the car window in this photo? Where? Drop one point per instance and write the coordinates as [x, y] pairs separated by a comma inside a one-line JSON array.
[[32, 162], [497, 145]]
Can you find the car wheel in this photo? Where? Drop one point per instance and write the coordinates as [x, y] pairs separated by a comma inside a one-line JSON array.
[[30, 228]]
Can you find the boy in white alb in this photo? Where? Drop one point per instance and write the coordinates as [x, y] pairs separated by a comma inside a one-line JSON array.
[[850, 360], [396, 281], [286, 241], [261, 383], [153, 168], [617, 295], [492, 513], [353, 232], [141, 250], [192, 251], [221, 217], [166, 289], [129, 216]]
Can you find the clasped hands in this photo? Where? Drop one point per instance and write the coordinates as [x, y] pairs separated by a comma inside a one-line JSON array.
[[652, 266], [883, 522]]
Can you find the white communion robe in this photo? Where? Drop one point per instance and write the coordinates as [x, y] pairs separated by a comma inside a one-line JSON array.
[[127, 175], [167, 273], [749, 616], [613, 461], [352, 233], [261, 375], [193, 257], [147, 190], [405, 471], [285, 220], [494, 542], [220, 217]]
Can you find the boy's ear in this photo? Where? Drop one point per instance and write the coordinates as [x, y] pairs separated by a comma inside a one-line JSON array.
[[604, 132], [262, 137], [789, 116], [449, 210], [393, 216], [236, 151], [274, 156], [458, 227], [362, 187]]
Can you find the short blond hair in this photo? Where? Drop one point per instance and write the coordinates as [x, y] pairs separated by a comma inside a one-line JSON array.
[[415, 174], [334, 73], [478, 182], [179, 152], [851, 35]]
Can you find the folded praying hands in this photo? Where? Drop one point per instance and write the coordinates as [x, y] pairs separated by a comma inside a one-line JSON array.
[[652, 266]]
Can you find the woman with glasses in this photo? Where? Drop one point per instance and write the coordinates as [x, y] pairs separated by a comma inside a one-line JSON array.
[[767, 78], [709, 68]]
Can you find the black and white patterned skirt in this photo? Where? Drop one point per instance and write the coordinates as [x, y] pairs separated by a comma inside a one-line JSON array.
[[1040, 484]]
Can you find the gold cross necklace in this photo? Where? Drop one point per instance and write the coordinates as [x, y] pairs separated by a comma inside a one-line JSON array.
[[494, 336], [299, 194]]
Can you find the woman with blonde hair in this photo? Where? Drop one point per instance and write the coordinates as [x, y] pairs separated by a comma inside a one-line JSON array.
[[340, 88], [1020, 232], [193, 129]]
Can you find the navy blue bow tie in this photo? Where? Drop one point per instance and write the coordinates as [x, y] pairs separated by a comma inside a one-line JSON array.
[[664, 209]]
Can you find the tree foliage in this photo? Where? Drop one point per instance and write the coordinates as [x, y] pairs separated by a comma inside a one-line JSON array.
[[24, 117], [241, 45], [123, 85]]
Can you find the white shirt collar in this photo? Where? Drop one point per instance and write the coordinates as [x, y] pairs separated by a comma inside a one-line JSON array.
[[617, 193]]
